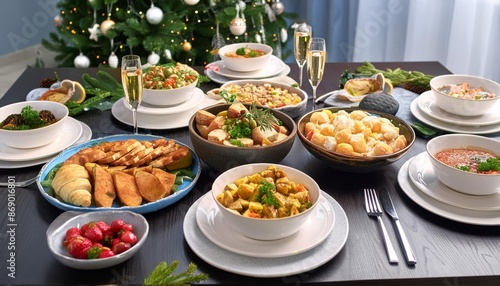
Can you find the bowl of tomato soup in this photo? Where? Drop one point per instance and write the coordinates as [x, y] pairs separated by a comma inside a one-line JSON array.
[[467, 163], [245, 57]]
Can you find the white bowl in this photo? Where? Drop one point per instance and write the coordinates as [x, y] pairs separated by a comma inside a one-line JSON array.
[[57, 231], [245, 64], [166, 97], [290, 110], [462, 181], [33, 138], [265, 229], [460, 106]]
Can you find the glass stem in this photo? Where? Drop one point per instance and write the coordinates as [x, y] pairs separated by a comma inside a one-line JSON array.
[[134, 119], [300, 76], [314, 98]]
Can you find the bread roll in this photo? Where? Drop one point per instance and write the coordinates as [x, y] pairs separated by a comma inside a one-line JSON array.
[[71, 183]]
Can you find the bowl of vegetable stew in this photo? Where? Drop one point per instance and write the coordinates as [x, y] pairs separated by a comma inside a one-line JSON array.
[[265, 201], [245, 57], [466, 163]]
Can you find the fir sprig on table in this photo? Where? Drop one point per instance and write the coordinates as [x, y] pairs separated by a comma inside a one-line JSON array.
[[163, 275]]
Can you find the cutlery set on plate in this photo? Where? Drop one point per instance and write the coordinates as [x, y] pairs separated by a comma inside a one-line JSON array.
[[373, 208]]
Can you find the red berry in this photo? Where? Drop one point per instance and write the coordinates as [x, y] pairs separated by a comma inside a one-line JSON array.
[[103, 226], [127, 227], [78, 247], [107, 239], [94, 251], [129, 237], [106, 253], [94, 233], [70, 233], [121, 247], [115, 241], [116, 225]]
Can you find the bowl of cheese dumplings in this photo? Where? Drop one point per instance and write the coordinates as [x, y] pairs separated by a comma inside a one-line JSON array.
[[353, 139]]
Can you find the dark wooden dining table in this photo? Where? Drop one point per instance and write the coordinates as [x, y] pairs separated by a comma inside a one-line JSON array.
[[448, 252]]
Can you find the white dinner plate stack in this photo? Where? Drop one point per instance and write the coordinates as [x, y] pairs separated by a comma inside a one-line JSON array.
[[74, 132], [418, 181], [217, 71], [425, 109], [162, 117], [321, 238]]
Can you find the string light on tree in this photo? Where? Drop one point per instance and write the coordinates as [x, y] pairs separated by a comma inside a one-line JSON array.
[[154, 15]]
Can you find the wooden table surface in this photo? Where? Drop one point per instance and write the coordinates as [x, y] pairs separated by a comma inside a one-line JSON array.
[[448, 252]]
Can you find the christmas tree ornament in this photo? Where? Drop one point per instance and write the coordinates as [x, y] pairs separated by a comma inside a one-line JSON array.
[[168, 54], [283, 35], [237, 26], [113, 60], [58, 20], [94, 32], [278, 7], [154, 15], [258, 38], [106, 25], [153, 59], [191, 2], [81, 61], [186, 46]]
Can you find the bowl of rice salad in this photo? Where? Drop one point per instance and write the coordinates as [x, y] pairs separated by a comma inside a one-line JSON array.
[[169, 84], [282, 97]]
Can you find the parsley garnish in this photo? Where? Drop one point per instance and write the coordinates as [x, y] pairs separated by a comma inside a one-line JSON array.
[[463, 168], [266, 196], [239, 129], [229, 98], [162, 275], [240, 51], [491, 164]]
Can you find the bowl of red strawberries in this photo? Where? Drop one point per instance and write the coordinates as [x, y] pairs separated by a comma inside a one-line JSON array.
[[96, 240]]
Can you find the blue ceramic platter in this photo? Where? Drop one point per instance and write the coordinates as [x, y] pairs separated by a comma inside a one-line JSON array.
[[183, 189]]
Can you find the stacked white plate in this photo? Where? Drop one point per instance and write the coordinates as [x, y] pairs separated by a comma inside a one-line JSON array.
[[425, 109], [418, 181], [323, 236], [162, 117], [74, 132], [217, 71]]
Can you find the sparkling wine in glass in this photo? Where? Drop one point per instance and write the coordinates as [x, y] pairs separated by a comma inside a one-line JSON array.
[[302, 34], [316, 58], [132, 84]]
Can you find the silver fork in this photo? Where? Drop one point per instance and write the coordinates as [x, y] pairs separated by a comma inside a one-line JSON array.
[[19, 184], [373, 208]]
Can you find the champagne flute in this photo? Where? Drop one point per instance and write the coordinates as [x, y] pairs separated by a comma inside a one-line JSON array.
[[316, 58], [302, 34], [132, 84]]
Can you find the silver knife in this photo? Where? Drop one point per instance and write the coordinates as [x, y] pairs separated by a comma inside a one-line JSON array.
[[391, 211]]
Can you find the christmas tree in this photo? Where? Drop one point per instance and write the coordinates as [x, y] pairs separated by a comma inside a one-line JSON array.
[[99, 32]]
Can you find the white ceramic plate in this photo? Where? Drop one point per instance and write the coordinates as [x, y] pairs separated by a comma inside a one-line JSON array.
[[475, 217], [426, 104], [451, 127], [273, 68], [145, 108], [267, 267], [222, 79], [315, 231], [86, 135], [150, 121], [72, 130], [57, 231], [422, 175]]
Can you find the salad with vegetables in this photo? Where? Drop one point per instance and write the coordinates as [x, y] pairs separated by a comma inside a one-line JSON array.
[[169, 76]]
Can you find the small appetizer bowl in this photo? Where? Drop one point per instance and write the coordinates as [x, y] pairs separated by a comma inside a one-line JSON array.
[[265, 228], [57, 232], [463, 106], [461, 180], [33, 138], [244, 64], [222, 157]]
